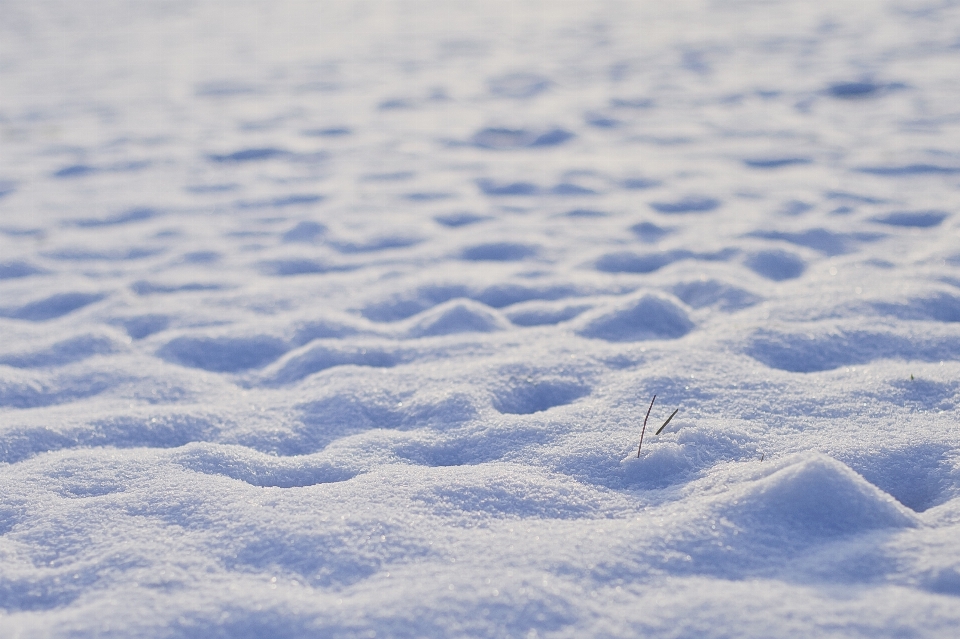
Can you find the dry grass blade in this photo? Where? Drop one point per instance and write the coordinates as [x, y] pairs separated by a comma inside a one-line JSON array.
[[645, 425], [660, 430]]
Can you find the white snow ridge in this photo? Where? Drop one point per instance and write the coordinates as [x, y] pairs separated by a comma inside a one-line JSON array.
[[342, 319]]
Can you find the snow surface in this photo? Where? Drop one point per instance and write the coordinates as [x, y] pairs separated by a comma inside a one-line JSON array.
[[341, 319]]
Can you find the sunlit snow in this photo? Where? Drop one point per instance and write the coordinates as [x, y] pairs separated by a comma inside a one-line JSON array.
[[341, 319]]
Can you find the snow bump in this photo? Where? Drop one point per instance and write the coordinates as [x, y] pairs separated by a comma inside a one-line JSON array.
[[814, 497], [51, 307], [687, 204], [259, 469], [777, 265], [325, 354], [457, 316], [913, 219], [223, 354], [498, 252], [644, 317]]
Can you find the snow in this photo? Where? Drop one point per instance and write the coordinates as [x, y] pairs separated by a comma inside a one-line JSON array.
[[341, 319]]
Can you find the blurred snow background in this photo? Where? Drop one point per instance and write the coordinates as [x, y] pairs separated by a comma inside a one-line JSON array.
[[342, 318]]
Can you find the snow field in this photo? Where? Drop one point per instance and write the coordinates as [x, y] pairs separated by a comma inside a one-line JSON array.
[[341, 319]]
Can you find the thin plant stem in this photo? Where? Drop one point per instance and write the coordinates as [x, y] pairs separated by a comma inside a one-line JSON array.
[[660, 430], [645, 425]]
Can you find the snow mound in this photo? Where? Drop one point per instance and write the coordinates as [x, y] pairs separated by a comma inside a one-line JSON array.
[[630, 262], [503, 138], [777, 265], [813, 496], [913, 219], [826, 346], [140, 326], [457, 316], [223, 354], [498, 252], [518, 85], [715, 294], [649, 316], [323, 354], [542, 313], [307, 231], [685, 449], [661, 466], [687, 204], [259, 469], [342, 409], [16, 269], [51, 307], [66, 351]]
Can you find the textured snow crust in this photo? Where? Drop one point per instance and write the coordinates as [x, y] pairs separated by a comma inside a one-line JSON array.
[[341, 319]]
